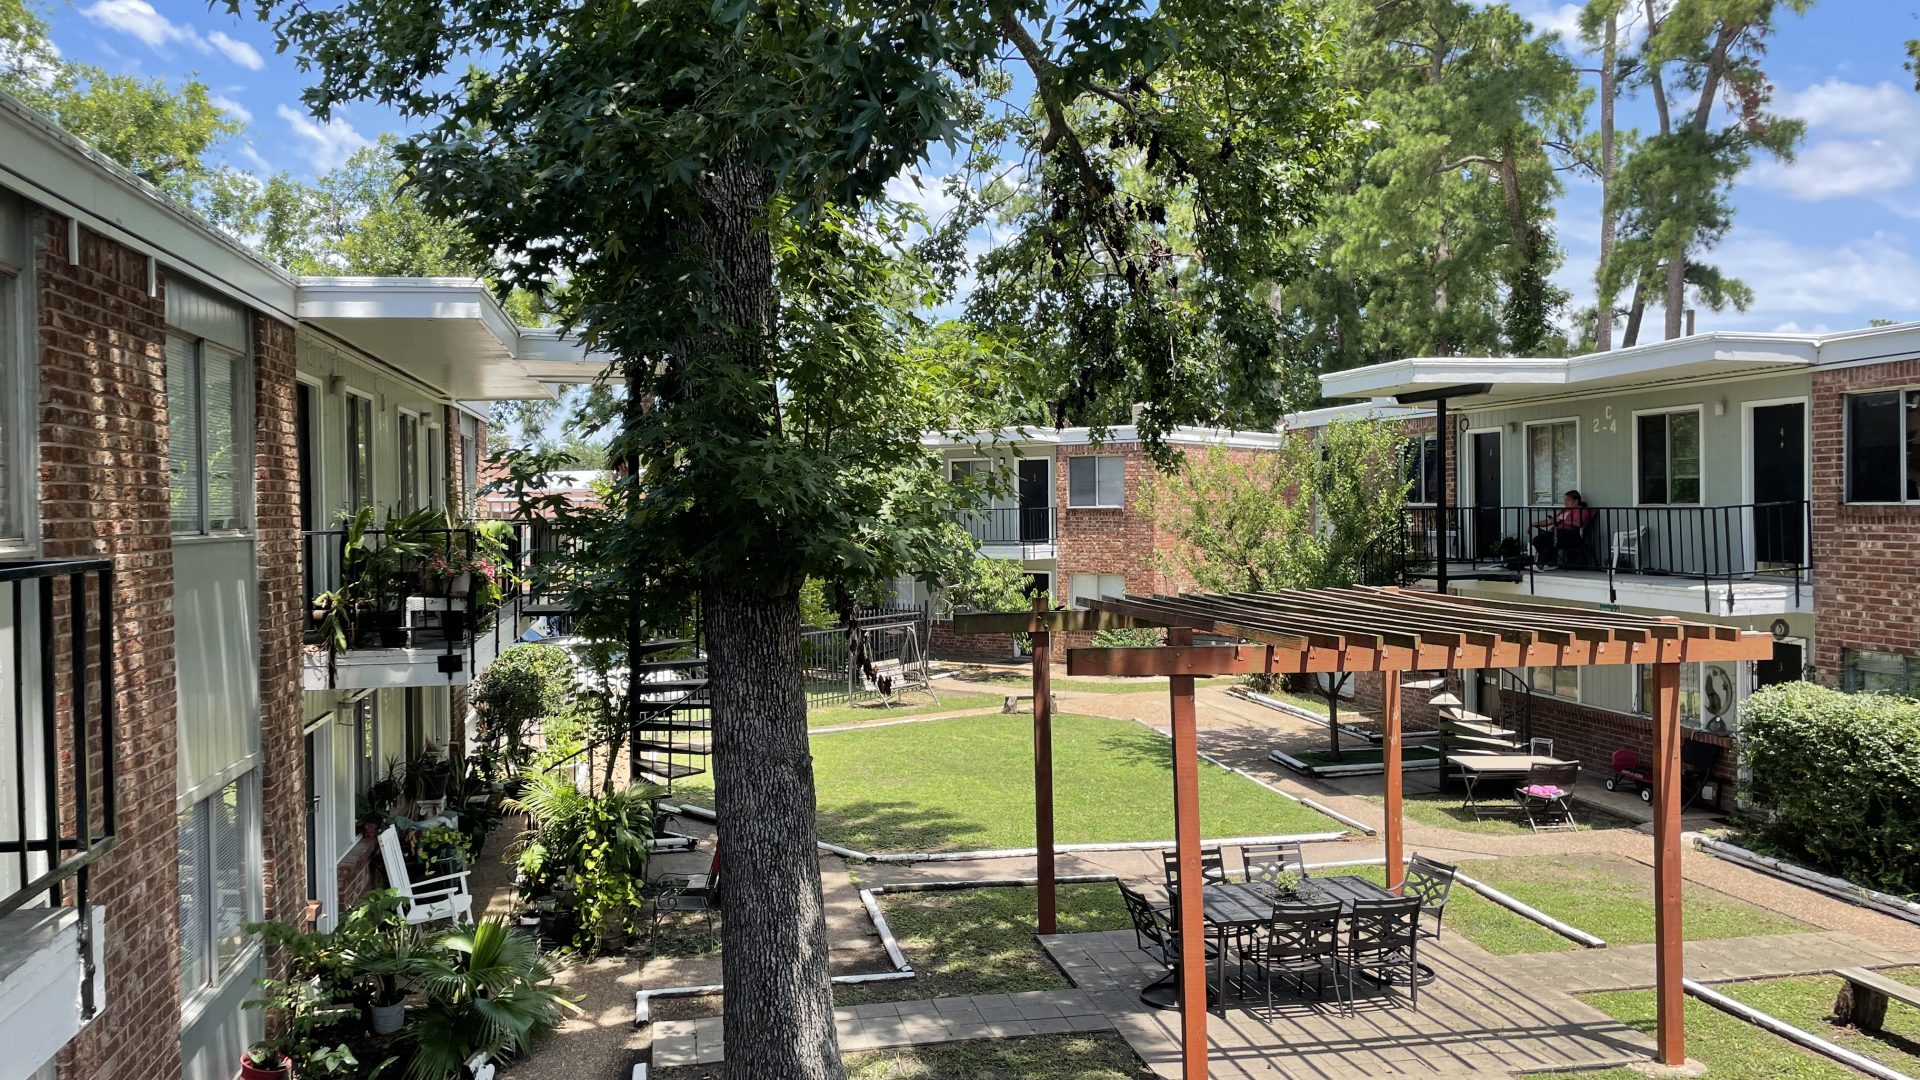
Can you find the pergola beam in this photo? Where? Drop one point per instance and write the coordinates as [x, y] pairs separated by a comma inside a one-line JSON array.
[[1034, 622]]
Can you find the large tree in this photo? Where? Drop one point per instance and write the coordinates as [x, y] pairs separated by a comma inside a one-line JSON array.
[[1670, 195], [707, 177]]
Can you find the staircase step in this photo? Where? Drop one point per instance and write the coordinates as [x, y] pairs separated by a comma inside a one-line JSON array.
[[1471, 727], [666, 770], [662, 723], [1425, 682], [671, 686], [670, 665], [1447, 700], [1475, 742], [651, 746], [648, 648]]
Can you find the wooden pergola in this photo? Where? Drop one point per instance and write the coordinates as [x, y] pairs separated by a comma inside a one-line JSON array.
[[1391, 631]]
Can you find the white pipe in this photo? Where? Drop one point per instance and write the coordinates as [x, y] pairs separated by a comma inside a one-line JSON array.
[[1571, 933], [1790, 1033], [956, 885], [898, 858], [1800, 875], [886, 932], [705, 814]]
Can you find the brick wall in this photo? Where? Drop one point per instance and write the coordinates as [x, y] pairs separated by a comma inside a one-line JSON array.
[[944, 644], [1866, 591], [282, 608], [103, 492], [354, 875]]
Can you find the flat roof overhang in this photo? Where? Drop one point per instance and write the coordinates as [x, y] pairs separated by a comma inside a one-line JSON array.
[[1485, 380], [449, 333]]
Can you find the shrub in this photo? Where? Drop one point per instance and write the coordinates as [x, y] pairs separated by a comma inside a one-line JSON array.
[[1133, 637], [1835, 781], [527, 683]]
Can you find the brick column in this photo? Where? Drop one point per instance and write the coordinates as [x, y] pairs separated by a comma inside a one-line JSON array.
[[276, 473], [103, 492]]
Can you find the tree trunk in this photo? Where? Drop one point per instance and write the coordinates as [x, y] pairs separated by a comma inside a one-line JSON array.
[[1609, 57], [1332, 691], [1676, 290], [779, 1005], [1635, 312]]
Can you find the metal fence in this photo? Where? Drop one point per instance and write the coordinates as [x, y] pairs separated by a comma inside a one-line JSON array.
[[894, 638]]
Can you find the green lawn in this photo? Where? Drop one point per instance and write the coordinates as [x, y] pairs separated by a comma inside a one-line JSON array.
[[1443, 811], [1613, 898], [1480, 920], [966, 783], [980, 941], [1034, 1057], [1731, 1049], [1808, 1005], [916, 705]]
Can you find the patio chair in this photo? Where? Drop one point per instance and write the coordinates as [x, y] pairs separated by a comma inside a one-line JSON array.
[[1302, 940], [1431, 882], [1155, 933], [1272, 865], [1213, 867], [1544, 797], [1383, 942], [427, 900], [691, 893]]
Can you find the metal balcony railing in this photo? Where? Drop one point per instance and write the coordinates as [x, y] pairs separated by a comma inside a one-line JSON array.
[[413, 588], [57, 811], [1027, 525], [1715, 545]]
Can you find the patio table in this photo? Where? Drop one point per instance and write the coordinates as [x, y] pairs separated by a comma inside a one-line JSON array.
[[1346, 888], [1477, 767], [1230, 910]]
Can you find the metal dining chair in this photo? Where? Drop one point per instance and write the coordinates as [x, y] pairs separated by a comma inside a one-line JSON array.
[[1277, 867], [1213, 867], [1302, 940], [1383, 942], [1431, 882]]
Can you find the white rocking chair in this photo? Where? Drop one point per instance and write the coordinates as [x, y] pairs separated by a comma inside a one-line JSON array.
[[430, 900]]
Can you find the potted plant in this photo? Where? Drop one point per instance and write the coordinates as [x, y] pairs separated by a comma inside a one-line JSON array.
[[264, 1061], [389, 960], [488, 991], [369, 818], [427, 775], [442, 850]]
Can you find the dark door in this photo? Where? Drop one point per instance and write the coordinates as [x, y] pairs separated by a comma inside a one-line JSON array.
[[1486, 494], [1779, 484], [1036, 503], [1787, 664]]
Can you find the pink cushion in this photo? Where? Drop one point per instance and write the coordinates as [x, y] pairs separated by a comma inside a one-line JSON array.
[[1542, 791]]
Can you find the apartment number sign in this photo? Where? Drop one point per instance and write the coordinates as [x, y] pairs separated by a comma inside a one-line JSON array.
[[1606, 421]]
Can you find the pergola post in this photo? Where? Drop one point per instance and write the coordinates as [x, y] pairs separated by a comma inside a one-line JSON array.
[[1186, 832], [1670, 1037], [1043, 772], [1390, 761]]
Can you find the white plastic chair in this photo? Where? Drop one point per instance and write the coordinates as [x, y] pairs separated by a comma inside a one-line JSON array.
[[1626, 544], [1540, 747], [426, 901]]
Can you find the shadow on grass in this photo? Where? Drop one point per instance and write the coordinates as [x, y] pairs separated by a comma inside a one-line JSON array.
[[881, 827], [1141, 747]]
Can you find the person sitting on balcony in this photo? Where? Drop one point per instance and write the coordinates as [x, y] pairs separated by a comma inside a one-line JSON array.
[[1563, 535]]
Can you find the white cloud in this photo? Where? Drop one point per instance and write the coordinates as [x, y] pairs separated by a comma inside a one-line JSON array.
[[1868, 277], [327, 144], [226, 104], [914, 188], [237, 51], [1877, 149], [139, 19]]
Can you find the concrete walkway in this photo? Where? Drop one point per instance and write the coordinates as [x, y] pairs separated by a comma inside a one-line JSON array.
[[1630, 967]]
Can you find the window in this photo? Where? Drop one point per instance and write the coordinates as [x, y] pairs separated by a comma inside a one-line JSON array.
[[1096, 481], [1093, 587], [469, 473], [366, 745], [1552, 461], [207, 442], [1883, 446], [1668, 446], [1560, 682], [1423, 470], [18, 413], [436, 468], [1865, 671], [220, 884], [409, 500], [359, 451], [1692, 712]]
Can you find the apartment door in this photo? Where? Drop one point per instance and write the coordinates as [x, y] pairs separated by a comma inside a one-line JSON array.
[[1036, 502], [1787, 664], [1779, 464], [1486, 493]]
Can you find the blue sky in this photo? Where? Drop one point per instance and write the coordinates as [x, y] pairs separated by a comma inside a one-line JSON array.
[[1826, 243]]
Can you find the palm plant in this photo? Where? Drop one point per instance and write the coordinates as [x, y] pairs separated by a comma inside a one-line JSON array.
[[596, 844], [489, 990]]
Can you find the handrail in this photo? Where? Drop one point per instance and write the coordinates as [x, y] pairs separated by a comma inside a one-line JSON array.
[[1032, 525], [457, 613]]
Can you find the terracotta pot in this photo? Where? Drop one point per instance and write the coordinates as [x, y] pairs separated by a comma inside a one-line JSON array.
[[370, 831], [250, 1071]]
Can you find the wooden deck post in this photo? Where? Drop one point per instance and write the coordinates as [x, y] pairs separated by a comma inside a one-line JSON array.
[[1670, 1036], [1390, 760], [1043, 772], [1186, 832]]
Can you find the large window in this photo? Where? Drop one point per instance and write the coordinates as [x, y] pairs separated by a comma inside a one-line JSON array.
[[409, 463], [1093, 587], [1096, 481], [1883, 446], [1867, 671], [1668, 450], [17, 398], [1559, 682], [1553, 467], [210, 459], [366, 745], [220, 884], [359, 451], [469, 473], [1423, 470]]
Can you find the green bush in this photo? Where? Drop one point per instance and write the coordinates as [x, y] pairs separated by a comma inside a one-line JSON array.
[[1134, 637], [1835, 781], [526, 683]]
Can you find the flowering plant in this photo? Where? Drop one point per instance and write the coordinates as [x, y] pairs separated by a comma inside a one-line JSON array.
[[445, 565]]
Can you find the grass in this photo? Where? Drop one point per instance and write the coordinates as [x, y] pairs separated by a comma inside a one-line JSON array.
[[1034, 1057], [867, 712], [1369, 755], [1731, 1049], [1482, 921], [1613, 898], [980, 941], [1808, 1005], [1437, 810], [966, 783]]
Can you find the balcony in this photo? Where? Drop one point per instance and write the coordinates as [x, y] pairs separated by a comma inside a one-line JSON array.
[[1741, 560], [56, 799], [411, 606], [1025, 532]]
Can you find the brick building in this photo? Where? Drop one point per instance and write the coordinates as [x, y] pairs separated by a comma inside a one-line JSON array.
[[182, 426], [1765, 481]]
